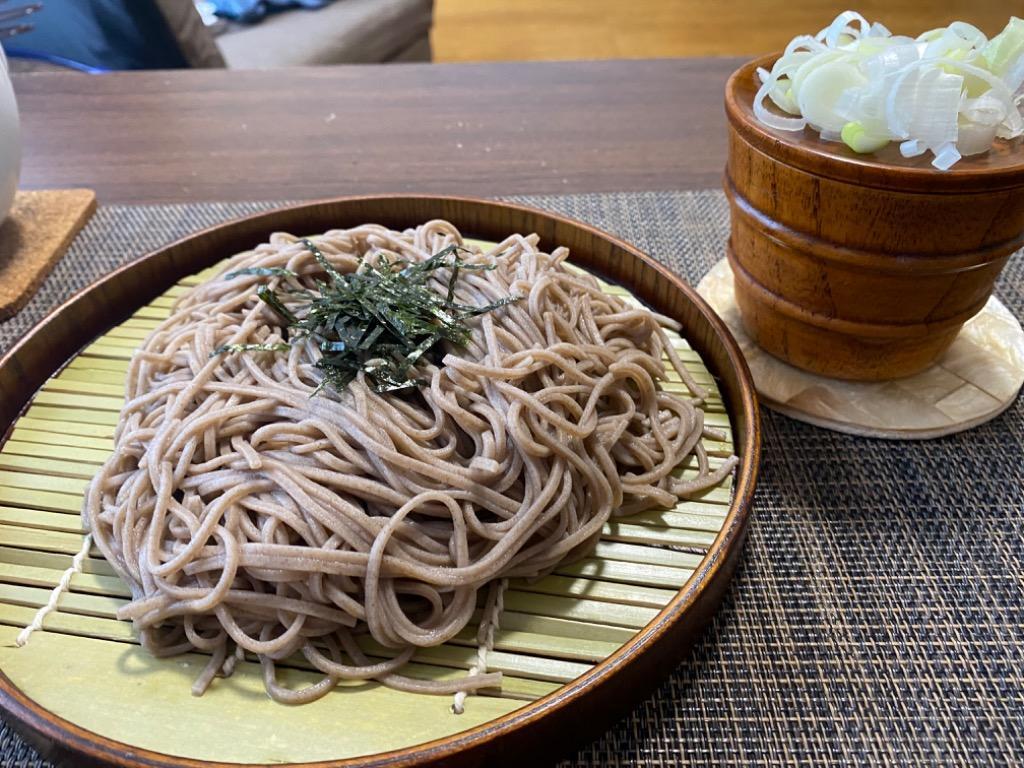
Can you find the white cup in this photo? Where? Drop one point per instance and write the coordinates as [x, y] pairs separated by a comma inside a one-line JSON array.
[[10, 141]]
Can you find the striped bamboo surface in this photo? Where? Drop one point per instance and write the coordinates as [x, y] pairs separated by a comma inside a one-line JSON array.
[[86, 666]]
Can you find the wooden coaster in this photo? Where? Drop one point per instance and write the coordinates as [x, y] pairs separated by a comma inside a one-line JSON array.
[[974, 381], [35, 235]]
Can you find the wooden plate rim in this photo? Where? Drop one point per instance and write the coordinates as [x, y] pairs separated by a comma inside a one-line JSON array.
[[701, 593]]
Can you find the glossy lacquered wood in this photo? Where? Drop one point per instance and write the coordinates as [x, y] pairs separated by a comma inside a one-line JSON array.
[[861, 266], [552, 724]]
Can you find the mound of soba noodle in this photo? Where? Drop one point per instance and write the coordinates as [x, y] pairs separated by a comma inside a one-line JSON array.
[[249, 515]]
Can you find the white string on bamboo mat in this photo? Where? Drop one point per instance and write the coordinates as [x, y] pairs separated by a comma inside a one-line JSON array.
[[484, 637], [62, 586]]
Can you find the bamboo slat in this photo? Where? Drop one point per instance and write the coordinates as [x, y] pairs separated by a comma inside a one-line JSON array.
[[551, 631], [147, 703]]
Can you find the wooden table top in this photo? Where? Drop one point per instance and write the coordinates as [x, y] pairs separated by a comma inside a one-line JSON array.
[[473, 129]]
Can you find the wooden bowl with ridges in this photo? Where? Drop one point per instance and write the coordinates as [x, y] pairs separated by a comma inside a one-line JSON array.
[[861, 266]]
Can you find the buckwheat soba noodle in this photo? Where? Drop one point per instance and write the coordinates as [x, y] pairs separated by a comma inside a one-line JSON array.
[[252, 510]]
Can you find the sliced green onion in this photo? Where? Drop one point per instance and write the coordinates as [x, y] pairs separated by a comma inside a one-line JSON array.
[[949, 91]]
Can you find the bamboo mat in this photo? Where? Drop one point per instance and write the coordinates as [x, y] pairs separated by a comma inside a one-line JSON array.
[[878, 617], [551, 630]]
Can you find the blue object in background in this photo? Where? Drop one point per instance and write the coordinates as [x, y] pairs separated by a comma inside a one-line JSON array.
[[97, 35], [251, 11]]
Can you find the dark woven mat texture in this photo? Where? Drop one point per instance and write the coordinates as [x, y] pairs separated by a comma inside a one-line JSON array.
[[877, 617]]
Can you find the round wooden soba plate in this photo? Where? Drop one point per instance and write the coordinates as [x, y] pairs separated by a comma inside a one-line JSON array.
[[560, 719]]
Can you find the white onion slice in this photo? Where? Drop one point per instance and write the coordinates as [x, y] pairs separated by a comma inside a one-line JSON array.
[[986, 110], [781, 91], [902, 85], [936, 104], [804, 42], [890, 60], [950, 90], [878, 29], [848, 105], [1014, 76], [842, 26], [975, 138], [946, 156], [810, 65], [769, 118], [823, 88], [943, 45], [1014, 123], [912, 148], [931, 34], [968, 32]]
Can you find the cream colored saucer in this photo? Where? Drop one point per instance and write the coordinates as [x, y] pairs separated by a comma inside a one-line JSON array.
[[974, 381]]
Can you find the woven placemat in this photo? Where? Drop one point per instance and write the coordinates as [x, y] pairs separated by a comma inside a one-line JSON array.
[[878, 615]]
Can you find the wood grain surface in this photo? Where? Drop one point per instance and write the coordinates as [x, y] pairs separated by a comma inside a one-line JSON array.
[[498, 30], [861, 267], [476, 129]]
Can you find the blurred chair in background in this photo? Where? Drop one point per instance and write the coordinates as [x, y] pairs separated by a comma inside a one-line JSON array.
[[342, 32], [102, 35], [97, 35]]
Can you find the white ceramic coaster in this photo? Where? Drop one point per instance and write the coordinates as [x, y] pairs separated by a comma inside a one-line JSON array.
[[975, 380]]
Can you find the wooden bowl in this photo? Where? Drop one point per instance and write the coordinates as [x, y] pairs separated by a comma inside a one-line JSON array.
[[577, 710], [861, 266]]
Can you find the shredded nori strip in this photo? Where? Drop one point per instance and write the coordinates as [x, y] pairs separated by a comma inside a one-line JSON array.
[[382, 319]]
